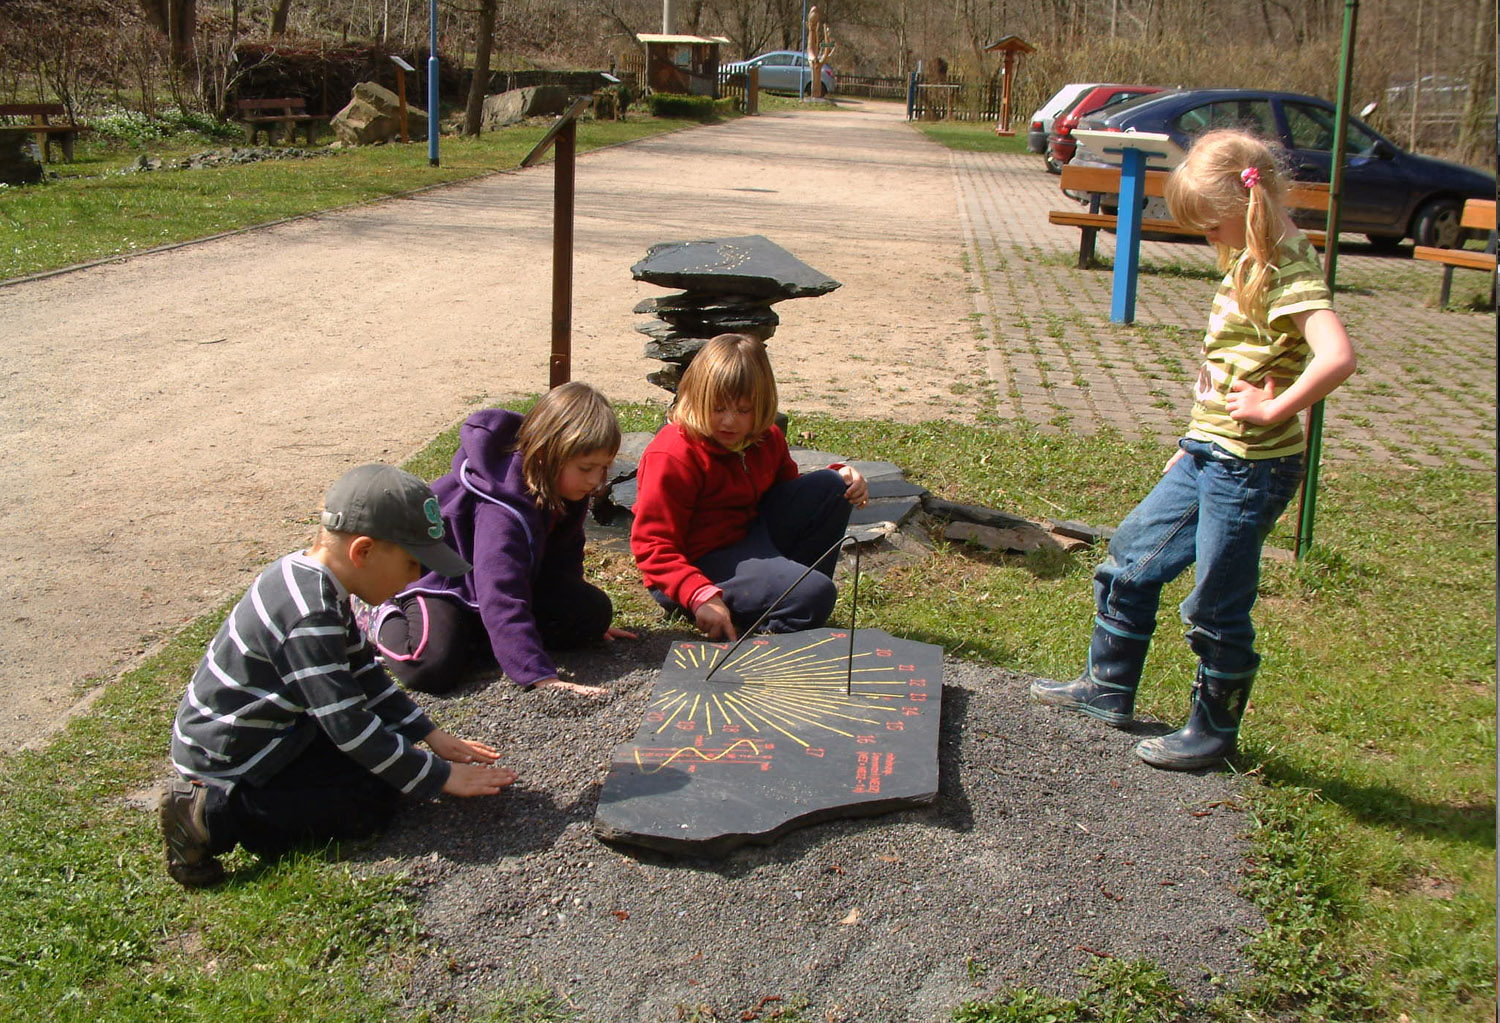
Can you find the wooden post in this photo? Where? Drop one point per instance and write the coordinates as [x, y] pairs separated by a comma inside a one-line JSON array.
[[562, 255], [564, 135], [401, 95]]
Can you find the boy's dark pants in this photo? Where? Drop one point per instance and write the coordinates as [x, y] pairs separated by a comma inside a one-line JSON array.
[[569, 613], [321, 796]]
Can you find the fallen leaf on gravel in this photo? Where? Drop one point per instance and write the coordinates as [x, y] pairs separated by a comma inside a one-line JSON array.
[[852, 918], [621, 914], [834, 868], [888, 859]]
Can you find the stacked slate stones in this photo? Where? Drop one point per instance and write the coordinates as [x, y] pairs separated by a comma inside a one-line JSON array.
[[727, 286]]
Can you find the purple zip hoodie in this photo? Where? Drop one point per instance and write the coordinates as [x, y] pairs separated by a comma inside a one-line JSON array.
[[494, 522]]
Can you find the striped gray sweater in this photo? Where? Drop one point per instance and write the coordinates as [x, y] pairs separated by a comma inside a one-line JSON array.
[[286, 663]]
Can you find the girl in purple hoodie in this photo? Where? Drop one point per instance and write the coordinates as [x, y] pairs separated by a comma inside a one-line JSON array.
[[514, 505]]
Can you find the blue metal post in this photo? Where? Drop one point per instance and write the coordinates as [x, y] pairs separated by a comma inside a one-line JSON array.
[[1128, 233], [432, 88]]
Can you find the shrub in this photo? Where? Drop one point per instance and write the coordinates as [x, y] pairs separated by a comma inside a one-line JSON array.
[[671, 104]]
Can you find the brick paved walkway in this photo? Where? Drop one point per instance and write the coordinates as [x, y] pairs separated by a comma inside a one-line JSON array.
[[1424, 394]]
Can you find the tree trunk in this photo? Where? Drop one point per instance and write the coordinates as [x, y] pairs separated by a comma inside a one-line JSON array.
[[484, 38], [177, 20], [278, 17]]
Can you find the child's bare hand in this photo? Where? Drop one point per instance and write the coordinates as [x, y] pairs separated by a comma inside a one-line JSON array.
[[714, 619], [477, 780], [858, 492], [571, 687], [1250, 404], [1172, 461], [611, 634], [460, 751]]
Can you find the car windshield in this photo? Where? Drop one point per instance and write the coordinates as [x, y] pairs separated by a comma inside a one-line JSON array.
[[1124, 108]]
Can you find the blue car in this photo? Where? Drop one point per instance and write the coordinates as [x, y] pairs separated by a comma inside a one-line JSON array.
[[1389, 194]]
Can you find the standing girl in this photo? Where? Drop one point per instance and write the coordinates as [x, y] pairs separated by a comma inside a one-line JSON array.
[[514, 505], [1274, 346], [723, 522]]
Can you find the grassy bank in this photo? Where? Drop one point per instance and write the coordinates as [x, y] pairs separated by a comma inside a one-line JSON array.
[[102, 208], [1371, 735]]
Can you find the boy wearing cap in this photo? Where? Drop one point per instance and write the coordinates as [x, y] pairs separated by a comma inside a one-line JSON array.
[[290, 730]]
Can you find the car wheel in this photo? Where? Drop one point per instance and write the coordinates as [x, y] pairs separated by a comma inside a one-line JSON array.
[[1053, 167], [1437, 224], [1384, 242]]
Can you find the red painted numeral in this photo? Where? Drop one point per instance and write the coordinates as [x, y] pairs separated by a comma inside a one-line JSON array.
[[906, 667], [895, 726], [687, 726], [918, 682], [911, 711], [863, 739], [918, 697], [882, 653]]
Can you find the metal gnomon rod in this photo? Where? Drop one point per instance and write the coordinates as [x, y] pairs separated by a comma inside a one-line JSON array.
[[853, 612]]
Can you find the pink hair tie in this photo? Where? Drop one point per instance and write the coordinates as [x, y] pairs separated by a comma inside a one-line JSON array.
[[1249, 177]]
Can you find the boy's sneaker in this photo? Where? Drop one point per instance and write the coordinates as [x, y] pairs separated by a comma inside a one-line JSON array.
[[186, 835]]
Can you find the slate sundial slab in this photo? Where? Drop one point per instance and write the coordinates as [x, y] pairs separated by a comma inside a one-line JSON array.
[[773, 741]]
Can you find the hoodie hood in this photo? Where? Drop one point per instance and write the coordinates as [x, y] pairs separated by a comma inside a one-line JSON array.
[[487, 459]]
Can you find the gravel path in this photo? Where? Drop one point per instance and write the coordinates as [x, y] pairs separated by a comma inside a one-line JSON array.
[[1049, 845]]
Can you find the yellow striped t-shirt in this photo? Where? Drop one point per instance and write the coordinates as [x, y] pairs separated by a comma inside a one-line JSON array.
[[1234, 348]]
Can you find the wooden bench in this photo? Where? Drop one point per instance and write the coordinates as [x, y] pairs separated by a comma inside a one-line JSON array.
[[1098, 182], [1479, 215], [40, 125], [269, 115]]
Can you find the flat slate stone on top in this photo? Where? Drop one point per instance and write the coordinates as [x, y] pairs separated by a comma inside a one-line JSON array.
[[773, 742], [750, 265]]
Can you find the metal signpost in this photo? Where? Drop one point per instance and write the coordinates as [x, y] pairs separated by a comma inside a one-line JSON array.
[[432, 89]]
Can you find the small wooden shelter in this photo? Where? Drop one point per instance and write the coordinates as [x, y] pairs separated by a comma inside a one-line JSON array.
[[683, 64], [1012, 47]]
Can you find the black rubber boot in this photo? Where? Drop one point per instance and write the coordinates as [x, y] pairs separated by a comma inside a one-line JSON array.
[[1107, 689], [1211, 735]]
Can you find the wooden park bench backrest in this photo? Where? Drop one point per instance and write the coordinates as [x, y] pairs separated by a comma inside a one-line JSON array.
[[289, 105], [1302, 195], [1479, 214], [38, 112]]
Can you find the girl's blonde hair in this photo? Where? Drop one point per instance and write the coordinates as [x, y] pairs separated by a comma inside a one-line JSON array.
[[730, 369], [570, 420], [1235, 175]]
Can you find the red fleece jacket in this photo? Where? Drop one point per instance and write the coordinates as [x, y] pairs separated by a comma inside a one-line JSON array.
[[695, 496]]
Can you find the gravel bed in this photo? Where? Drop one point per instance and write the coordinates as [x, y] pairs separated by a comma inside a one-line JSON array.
[[1049, 845]]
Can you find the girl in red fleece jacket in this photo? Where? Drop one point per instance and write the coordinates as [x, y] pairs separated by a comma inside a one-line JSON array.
[[723, 523]]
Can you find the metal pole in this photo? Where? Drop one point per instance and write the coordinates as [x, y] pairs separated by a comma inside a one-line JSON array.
[[562, 254], [432, 87], [1308, 511]]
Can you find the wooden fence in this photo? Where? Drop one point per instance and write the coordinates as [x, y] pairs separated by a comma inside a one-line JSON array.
[[953, 98]]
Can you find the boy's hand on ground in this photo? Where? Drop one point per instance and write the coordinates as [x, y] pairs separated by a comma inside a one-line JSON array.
[[570, 687], [858, 492], [477, 780], [612, 633], [460, 751], [714, 619]]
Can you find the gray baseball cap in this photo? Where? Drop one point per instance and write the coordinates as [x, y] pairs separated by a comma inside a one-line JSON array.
[[389, 504]]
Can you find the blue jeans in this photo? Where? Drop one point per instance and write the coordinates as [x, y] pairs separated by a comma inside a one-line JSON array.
[[1213, 509]]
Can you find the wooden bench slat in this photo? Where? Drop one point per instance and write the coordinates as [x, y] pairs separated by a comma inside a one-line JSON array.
[[1465, 258], [1478, 214]]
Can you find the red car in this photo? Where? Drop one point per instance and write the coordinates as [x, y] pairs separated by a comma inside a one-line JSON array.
[[1060, 144]]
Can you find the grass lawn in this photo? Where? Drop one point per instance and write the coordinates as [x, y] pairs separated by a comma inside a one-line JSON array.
[[1371, 735], [974, 136], [100, 208]]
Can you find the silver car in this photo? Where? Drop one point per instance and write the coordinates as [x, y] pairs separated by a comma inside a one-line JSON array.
[[784, 71]]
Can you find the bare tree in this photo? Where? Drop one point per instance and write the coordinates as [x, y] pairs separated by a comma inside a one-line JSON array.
[[484, 38], [177, 20]]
